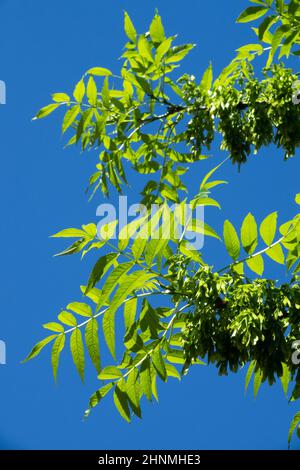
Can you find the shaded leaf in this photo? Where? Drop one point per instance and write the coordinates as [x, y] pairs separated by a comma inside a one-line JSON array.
[[257, 381], [251, 14], [121, 402], [100, 268], [249, 374], [295, 422]]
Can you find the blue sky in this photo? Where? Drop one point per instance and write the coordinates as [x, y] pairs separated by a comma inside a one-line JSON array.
[[45, 47]]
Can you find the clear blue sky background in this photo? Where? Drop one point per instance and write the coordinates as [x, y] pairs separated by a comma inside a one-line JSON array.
[[45, 47]]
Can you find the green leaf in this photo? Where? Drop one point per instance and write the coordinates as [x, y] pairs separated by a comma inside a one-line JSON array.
[[100, 268], [144, 49], [108, 325], [92, 343], [121, 402], [133, 392], [203, 184], [61, 98], [231, 240], [251, 14], [129, 28], [70, 117], [154, 383], [67, 318], [249, 374], [176, 356], [266, 25], [159, 364], [136, 280], [107, 230], [188, 250], [145, 378], [294, 424], [177, 53], [38, 347], [129, 313], [77, 351], [268, 228], [277, 37], [57, 348], [92, 91], [172, 371], [204, 201], [99, 72], [105, 93], [93, 294], [99, 394], [276, 254], [213, 184], [244, 50], [76, 247], [70, 233], [113, 279], [140, 241], [257, 381], [249, 234], [46, 111], [53, 326], [143, 85], [157, 31], [80, 308], [162, 49], [161, 238], [110, 373], [129, 230], [238, 268], [207, 78], [285, 378], [256, 264], [296, 392], [200, 227], [79, 91]]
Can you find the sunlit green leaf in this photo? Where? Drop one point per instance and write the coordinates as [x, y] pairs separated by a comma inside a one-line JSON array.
[[268, 228], [129, 28], [231, 240], [77, 350], [57, 348], [38, 347], [251, 14], [249, 234]]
